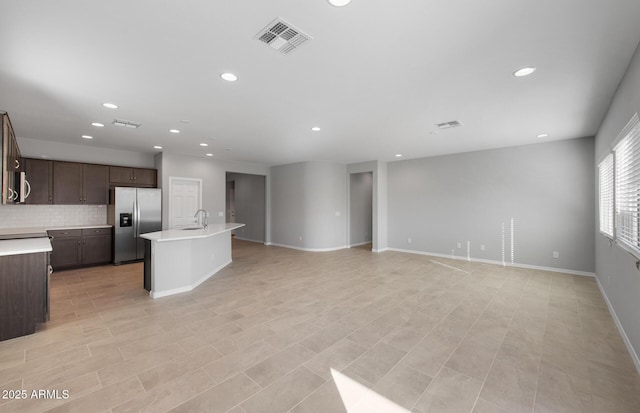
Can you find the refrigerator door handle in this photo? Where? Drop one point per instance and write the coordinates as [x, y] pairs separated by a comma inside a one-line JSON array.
[[137, 220]]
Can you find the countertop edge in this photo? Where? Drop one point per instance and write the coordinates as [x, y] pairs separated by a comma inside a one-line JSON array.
[[181, 234]]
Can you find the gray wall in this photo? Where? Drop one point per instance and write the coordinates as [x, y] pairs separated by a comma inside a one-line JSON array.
[[360, 208], [546, 188], [250, 204], [615, 268], [213, 175], [309, 205]]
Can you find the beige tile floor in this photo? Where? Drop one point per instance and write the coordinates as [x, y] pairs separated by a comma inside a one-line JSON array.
[[263, 335]]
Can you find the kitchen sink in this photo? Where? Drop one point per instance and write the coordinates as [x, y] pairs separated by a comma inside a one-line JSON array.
[[191, 229]]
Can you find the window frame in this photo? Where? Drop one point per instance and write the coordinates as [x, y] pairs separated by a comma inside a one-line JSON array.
[[607, 162], [626, 171]]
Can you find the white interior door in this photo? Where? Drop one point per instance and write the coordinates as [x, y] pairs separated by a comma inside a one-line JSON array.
[[185, 198]]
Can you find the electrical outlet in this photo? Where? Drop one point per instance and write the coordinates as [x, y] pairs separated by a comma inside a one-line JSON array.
[[556, 254], [482, 247], [409, 240], [220, 213], [459, 245], [337, 213], [300, 238]]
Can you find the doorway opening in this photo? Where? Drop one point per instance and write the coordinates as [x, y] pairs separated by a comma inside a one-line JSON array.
[[245, 202], [361, 210]]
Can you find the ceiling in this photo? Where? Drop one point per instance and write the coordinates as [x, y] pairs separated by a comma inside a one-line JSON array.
[[376, 77]]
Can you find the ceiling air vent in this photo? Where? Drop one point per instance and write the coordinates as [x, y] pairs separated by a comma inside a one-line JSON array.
[[126, 123], [449, 125], [282, 36]]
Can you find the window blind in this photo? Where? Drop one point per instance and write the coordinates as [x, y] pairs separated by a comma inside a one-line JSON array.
[[605, 173], [627, 187]]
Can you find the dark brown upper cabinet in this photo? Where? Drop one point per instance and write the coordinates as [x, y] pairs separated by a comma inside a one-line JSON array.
[[40, 176], [138, 177], [77, 183]]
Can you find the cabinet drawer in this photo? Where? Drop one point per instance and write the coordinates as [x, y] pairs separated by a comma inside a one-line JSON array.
[[65, 233], [87, 232]]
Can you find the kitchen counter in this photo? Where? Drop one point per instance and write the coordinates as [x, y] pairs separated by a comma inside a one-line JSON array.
[[182, 234], [34, 232], [24, 246], [179, 260], [15, 241]]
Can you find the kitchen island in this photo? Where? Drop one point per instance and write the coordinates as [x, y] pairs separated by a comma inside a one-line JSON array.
[[24, 283], [178, 260]]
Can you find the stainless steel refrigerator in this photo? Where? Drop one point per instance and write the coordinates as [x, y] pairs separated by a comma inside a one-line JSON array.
[[132, 212]]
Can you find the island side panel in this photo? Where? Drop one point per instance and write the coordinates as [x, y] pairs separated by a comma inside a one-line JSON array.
[[210, 255], [171, 267]]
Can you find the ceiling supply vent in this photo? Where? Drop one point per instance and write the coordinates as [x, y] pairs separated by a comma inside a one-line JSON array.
[[449, 125], [126, 123], [282, 36]]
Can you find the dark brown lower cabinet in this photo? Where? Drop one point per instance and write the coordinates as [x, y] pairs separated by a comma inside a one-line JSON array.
[[67, 248], [24, 286], [96, 246], [80, 247]]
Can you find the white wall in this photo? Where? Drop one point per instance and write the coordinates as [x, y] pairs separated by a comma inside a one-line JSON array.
[[360, 208], [52, 216], [213, 175], [309, 205], [547, 189], [616, 269], [35, 148]]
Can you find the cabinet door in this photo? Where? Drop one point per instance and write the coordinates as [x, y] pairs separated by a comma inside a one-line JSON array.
[[95, 184], [66, 252], [96, 249], [119, 175], [40, 177], [67, 183], [144, 177], [23, 290]]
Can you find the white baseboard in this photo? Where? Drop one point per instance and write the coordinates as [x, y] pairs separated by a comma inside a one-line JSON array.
[[625, 338], [359, 243], [517, 265], [309, 249], [250, 240], [380, 250]]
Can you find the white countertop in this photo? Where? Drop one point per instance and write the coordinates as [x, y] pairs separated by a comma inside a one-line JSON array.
[[24, 246], [184, 234], [43, 230]]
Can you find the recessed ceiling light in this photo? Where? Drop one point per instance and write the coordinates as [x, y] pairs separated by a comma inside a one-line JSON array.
[[229, 77], [110, 105], [174, 131], [315, 129], [204, 144], [398, 155], [339, 3], [87, 137], [97, 124], [209, 154], [543, 135], [525, 71], [157, 147]]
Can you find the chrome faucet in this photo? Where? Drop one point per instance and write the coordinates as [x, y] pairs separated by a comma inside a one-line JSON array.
[[205, 220]]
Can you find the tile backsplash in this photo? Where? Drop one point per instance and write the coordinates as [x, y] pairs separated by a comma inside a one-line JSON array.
[[50, 216]]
